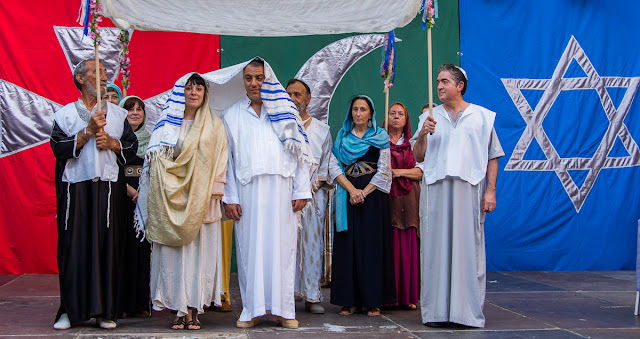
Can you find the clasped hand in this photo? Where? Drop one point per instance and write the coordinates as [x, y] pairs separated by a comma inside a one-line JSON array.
[[356, 197]]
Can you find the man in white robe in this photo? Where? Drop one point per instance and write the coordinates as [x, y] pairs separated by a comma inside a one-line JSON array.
[[311, 242], [266, 184], [458, 188]]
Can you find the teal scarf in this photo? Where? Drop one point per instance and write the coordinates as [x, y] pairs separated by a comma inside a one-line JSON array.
[[348, 148]]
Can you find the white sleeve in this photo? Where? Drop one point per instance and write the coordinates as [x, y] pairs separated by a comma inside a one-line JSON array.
[[382, 178], [413, 139], [334, 168], [231, 187], [301, 184]]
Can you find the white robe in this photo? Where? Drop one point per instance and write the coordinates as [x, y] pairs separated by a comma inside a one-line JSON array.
[[190, 275], [266, 235], [453, 263], [311, 244]]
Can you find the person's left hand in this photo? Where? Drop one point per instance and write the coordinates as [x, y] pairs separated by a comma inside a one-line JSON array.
[[104, 141], [488, 201], [395, 173], [298, 205]]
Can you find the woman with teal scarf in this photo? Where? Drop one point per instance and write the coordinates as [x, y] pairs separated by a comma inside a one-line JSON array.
[[363, 272], [135, 255]]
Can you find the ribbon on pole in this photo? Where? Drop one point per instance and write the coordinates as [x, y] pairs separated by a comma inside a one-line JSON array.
[[428, 13], [388, 71]]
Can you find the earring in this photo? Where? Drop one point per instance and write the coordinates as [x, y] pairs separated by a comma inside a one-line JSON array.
[[369, 124]]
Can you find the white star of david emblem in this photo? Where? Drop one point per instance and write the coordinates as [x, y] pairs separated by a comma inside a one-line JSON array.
[[534, 118]]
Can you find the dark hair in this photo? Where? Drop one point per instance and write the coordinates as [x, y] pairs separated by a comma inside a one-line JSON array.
[[256, 63], [81, 69], [196, 79], [363, 98], [131, 102], [455, 73], [111, 89], [294, 80], [427, 106]]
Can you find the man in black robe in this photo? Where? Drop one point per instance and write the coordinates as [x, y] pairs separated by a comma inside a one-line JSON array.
[[88, 146]]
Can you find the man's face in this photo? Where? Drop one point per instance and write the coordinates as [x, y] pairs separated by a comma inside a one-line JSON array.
[[299, 95], [448, 89], [112, 97], [253, 79], [89, 80]]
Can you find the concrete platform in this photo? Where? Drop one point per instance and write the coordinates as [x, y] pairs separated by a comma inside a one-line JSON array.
[[518, 305]]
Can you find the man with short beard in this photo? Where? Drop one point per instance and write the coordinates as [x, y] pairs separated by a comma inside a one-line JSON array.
[[267, 183], [311, 244], [88, 146]]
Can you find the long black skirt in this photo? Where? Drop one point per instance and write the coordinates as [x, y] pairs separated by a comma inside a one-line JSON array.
[[87, 249], [363, 271]]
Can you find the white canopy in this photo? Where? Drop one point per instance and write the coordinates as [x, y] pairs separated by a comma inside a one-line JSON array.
[[262, 17]]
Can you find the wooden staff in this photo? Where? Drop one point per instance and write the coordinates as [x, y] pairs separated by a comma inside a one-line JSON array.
[[98, 87], [386, 108], [430, 70]]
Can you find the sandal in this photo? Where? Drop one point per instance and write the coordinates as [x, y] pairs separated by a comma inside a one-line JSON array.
[[191, 324], [348, 310], [178, 324], [373, 312], [411, 307]]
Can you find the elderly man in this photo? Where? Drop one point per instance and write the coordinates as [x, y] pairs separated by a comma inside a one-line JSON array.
[[458, 189], [88, 146], [267, 181], [311, 244]]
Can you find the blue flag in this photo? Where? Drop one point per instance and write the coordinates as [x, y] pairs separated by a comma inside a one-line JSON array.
[[562, 77]]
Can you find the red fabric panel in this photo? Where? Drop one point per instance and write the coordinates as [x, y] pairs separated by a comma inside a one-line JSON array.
[[32, 58]]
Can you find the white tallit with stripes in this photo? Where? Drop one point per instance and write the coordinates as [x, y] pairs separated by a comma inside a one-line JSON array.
[[226, 87]]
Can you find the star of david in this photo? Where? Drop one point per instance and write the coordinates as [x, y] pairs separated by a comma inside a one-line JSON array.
[[534, 118]]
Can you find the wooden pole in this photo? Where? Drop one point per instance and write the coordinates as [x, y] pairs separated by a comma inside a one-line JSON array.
[[386, 108], [98, 87], [430, 71]]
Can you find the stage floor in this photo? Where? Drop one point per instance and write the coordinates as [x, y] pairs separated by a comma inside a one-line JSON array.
[[518, 305]]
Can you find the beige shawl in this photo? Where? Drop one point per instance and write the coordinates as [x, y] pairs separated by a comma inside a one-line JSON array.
[[180, 190]]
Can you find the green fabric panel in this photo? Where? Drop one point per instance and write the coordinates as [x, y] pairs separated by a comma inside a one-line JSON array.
[[287, 54]]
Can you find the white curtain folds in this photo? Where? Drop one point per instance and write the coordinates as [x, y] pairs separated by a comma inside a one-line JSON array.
[[267, 18]]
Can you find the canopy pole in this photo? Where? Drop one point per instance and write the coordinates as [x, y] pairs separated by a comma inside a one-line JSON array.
[[430, 71], [98, 88], [386, 108]]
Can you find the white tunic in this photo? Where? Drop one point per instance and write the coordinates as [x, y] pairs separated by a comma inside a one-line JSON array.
[[453, 264], [91, 163], [311, 243], [263, 178]]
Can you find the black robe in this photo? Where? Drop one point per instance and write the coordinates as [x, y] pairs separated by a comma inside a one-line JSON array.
[[135, 255], [87, 240], [363, 269]]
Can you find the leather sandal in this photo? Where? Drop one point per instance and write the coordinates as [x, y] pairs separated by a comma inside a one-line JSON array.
[[178, 324], [348, 310], [373, 312]]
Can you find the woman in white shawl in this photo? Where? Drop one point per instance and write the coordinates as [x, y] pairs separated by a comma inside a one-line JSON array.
[[179, 203]]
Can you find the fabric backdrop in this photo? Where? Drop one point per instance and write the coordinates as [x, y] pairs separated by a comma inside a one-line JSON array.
[[354, 69], [35, 79], [562, 77]]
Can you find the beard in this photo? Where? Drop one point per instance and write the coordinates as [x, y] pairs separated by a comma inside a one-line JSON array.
[[301, 107], [91, 89]]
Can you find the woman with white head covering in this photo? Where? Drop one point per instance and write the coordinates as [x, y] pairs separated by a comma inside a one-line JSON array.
[[179, 203]]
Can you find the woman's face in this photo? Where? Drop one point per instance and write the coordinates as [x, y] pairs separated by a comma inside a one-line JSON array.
[[360, 113], [193, 95], [112, 97], [397, 117], [135, 116]]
